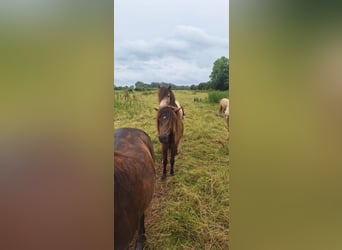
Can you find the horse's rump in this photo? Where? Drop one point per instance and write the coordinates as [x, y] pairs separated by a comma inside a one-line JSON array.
[[226, 112], [134, 180], [127, 138], [224, 104]]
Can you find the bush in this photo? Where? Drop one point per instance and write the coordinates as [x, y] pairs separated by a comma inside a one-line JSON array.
[[216, 96]]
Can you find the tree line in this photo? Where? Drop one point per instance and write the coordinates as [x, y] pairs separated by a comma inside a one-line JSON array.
[[219, 80]]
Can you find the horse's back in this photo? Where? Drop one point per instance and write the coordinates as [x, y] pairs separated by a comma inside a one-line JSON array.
[[131, 141], [224, 102], [163, 103], [134, 180], [181, 111], [180, 127]]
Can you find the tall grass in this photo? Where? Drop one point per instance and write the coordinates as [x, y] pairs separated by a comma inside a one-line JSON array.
[[131, 105], [189, 210], [216, 96]]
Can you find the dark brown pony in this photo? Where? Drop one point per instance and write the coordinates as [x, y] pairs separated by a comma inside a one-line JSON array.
[[170, 131], [134, 180], [166, 97]]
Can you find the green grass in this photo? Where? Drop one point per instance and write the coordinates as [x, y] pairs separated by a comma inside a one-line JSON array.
[[189, 210], [216, 96]]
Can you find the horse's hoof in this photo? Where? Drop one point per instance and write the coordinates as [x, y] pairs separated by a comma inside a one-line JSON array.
[[140, 245], [163, 178], [172, 174]]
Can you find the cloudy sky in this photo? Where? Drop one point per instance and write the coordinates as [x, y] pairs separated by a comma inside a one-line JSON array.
[[173, 41]]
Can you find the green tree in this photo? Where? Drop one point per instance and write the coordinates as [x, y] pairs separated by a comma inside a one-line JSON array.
[[203, 86], [193, 87], [154, 84], [220, 74], [141, 86]]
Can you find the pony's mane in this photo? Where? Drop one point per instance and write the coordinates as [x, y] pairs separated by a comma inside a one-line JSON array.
[[166, 109], [169, 111], [163, 92]]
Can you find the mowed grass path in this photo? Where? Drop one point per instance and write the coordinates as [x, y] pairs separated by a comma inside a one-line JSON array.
[[191, 209]]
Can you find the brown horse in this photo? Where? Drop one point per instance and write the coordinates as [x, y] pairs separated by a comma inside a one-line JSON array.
[[134, 180], [170, 131], [166, 97]]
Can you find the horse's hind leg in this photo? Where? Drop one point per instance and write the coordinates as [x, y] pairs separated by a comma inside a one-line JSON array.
[[140, 244]]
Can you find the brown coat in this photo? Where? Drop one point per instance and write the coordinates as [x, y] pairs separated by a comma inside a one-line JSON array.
[[170, 131], [134, 180]]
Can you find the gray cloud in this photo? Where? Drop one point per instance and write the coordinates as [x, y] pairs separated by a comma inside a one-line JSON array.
[[185, 41], [198, 36], [167, 69], [156, 45]]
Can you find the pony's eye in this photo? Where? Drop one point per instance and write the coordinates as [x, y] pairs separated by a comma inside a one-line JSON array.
[[168, 95]]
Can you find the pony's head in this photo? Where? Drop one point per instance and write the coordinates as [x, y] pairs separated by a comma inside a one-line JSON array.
[[166, 117], [166, 96]]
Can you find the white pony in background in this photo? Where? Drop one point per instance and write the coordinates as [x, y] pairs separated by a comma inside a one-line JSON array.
[[224, 108]]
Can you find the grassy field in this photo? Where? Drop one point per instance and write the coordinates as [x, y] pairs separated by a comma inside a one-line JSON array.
[[191, 209]]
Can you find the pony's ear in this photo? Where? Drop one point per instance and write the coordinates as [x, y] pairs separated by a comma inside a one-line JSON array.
[[156, 109], [169, 86], [158, 86]]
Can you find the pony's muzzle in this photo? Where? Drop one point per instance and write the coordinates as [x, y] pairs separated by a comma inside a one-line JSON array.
[[163, 138]]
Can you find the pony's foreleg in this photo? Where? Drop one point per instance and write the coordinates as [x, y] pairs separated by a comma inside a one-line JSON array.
[[227, 120], [164, 149], [140, 244], [172, 161]]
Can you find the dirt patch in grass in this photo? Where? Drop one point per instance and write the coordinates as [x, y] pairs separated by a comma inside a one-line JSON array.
[[152, 214]]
